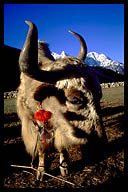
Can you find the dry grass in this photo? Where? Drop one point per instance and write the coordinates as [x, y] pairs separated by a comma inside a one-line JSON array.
[[101, 169]]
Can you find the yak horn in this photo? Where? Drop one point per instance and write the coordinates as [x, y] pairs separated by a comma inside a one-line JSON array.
[[83, 46], [28, 60]]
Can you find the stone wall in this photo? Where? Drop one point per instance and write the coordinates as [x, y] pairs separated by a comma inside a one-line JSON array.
[[114, 84], [13, 94]]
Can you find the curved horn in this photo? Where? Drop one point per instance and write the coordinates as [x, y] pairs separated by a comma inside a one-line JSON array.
[[28, 59], [83, 46]]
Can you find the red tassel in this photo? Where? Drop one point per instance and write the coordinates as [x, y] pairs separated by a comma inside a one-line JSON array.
[[42, 115]]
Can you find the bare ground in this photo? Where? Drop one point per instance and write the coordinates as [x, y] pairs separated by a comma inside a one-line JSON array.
[[101, 170]]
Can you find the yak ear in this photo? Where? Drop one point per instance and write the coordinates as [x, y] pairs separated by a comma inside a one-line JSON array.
[[43, 51], [83, 46]]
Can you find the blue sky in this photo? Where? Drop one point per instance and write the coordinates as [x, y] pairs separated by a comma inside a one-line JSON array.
[[101, 25]]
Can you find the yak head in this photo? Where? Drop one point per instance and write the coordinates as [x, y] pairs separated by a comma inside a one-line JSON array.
[[67, 87]]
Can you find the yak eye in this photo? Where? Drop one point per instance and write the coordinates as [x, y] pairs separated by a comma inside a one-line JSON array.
[[75, 100], [79, 102]]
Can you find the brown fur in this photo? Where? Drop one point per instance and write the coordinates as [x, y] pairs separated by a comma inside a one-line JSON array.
[[73, 102]]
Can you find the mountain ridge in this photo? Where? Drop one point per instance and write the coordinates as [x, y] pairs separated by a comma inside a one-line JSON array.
[[12, 71], [99, 60]]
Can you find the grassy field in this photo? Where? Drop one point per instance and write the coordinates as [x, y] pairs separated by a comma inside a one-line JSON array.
[[100, 172], [9, 105], [109, 96], [113, 95]]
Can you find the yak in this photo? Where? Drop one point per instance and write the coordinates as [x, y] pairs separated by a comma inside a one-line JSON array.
[[58, 101]]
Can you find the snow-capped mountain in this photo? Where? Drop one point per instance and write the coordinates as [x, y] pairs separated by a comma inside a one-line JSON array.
[[100, 60], [57, 56]]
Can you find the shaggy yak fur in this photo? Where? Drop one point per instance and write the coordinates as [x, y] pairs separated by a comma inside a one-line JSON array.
[[68, 88]]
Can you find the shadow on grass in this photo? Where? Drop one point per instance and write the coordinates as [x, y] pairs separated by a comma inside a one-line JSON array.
[[14, 153], [96, 153], [115, 184], [108, 111], [10, 117]]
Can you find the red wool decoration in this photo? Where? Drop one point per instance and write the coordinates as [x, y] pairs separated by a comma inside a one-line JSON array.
[[42, 115]]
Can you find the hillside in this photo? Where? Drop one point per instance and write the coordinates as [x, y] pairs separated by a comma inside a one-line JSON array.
[[11, 68], [12, 78]]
